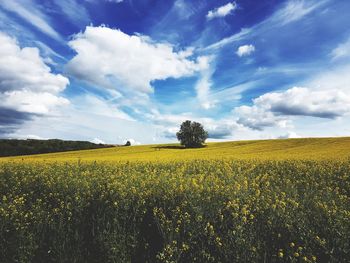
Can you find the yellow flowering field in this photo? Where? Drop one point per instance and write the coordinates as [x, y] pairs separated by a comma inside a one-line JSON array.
[[301, 149], [210, 207]]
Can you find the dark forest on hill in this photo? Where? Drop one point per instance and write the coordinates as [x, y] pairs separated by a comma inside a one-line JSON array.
[[11, 147]]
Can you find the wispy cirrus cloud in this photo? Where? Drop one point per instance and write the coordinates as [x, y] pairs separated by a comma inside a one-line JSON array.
[[115, 1], [203, 85], [341, 51], [11, 27], [294, 10], [75, 12], [27, 11], [290, 12]]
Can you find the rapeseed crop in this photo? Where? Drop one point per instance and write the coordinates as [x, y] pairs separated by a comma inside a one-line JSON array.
[[296, 149], [203, 210]]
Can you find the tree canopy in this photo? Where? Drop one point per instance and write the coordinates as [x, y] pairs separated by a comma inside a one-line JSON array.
[[191, 134], [10, 147]]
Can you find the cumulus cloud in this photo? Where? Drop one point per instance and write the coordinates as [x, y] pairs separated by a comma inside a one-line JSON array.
[[306, 102], [27, 85], [114, 60], [245, 50], [221, 130], [258, 118], [222, 11], [31, 101], [274, 108]]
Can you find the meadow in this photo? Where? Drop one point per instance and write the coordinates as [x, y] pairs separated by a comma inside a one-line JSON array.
[[247, 201]]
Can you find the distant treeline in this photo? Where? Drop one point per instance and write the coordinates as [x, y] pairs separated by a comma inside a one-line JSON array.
[[9, 147]]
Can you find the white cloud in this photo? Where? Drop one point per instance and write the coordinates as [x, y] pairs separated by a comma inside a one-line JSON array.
[[182, 9], [299, 101], [26, 82], [245, 50], [48, 52], [231, 94], [74, 123], [222, 11], [115, 1], [76, 12], [202, 88], [29, 136], [27, 11], [31, 102], [243, 34], [342, 50], [169, 124], [332, 79], [99, 106], [275, 108], [111, 59], [97, 141], [289, 135], [258, 118], [292, 11], [222, 129], [217, 129]]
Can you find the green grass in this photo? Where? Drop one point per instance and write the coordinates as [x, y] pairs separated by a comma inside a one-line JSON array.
[[298, 149]]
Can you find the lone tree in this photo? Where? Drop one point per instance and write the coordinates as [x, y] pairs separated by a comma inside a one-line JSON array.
[[192, 134]]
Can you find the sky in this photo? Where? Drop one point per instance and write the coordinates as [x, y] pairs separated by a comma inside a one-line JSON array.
[[108, 71]]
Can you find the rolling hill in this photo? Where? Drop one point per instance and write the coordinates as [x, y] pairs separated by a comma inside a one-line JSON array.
[[11, 147], [306, 148]]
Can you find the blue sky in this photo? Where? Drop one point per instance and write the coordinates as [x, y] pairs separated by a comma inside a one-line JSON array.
[[111, 71]]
